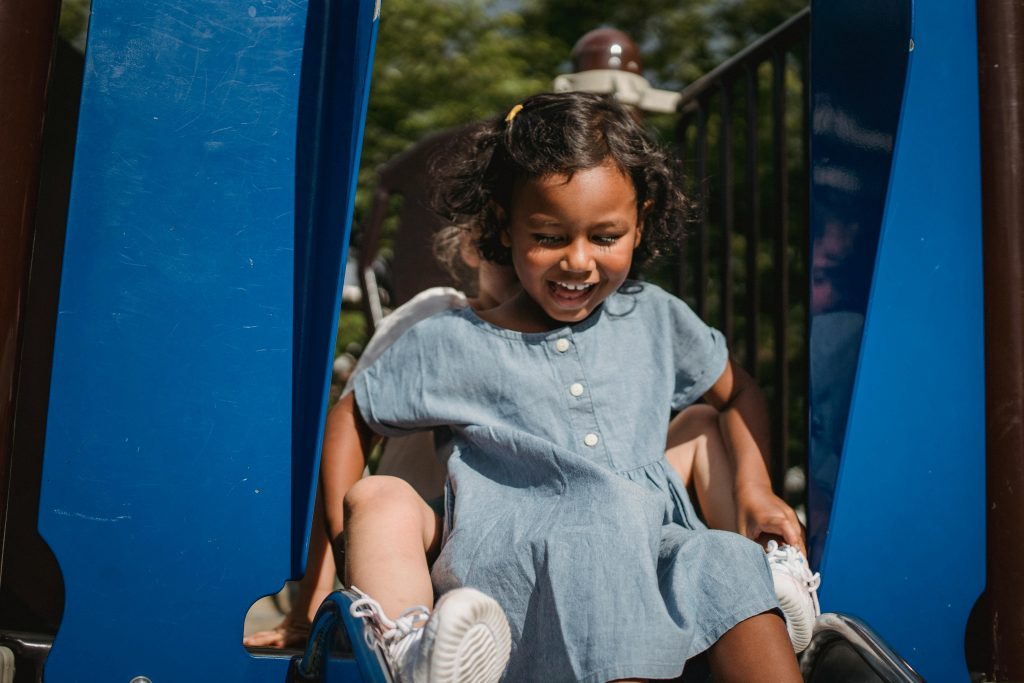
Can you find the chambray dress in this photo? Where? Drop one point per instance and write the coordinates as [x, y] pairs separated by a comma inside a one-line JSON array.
[[559, 501]]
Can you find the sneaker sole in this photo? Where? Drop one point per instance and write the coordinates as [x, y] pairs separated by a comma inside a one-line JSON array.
[[468, 640], [798, 610]]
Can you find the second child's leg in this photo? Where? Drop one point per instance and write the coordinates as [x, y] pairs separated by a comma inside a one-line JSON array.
[[391, 535], [696, 451]]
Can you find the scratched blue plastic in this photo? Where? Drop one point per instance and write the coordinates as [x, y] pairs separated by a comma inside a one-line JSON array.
[[906, 544], [198, 302]]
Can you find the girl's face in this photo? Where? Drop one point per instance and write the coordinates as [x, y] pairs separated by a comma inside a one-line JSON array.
[[572, 240]]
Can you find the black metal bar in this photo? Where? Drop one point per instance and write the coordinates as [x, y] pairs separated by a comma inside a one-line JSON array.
[[728, 216], [780, 432], [752, 286], [778, 40], [680, 270], [783, 303], [701, 253], [1001, 90], [804, 248]]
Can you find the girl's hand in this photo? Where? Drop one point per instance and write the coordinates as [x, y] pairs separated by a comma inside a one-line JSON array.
[[761, 514]]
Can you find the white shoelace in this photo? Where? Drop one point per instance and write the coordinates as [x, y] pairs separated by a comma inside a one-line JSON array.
[[789, 559], [393, 636]]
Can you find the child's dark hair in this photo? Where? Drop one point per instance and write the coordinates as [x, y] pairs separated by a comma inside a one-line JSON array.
[[559, 134], [447, 246]]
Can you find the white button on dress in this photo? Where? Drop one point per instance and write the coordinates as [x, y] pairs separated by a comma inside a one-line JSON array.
[[576, 389], [562, 345], [591, 440]]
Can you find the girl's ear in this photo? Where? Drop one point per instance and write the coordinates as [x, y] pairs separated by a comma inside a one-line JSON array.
[[502, 220], [641, 220]]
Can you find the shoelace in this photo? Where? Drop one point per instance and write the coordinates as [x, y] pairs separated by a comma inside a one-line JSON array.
[[790, 560], [385, 632]]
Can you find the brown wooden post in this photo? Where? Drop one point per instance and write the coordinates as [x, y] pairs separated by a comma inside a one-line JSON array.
[[1001, 96], [27, 32]]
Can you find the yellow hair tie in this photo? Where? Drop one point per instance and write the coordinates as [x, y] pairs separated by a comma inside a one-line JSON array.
[[512, 113]]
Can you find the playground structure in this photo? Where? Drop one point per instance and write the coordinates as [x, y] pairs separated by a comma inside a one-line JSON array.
[[199, 294]]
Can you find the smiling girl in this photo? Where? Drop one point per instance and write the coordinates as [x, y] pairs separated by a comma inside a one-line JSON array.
[[561, 509]]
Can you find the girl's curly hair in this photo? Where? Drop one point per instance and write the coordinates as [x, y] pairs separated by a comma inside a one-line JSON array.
[[558, 134]]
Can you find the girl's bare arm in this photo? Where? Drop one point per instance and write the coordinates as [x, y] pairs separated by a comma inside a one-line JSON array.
[[346, 445], [744, 423]]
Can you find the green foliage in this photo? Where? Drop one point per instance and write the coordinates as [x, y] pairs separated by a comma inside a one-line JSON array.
[[351, 331], [74, 20], [679, 40], [440, 63]]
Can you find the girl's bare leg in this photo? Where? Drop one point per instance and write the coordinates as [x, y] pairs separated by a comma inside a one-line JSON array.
[[390, 535], [756, 649], [315, 585], [696, 451]]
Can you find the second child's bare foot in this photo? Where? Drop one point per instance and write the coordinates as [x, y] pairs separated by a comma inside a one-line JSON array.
[[287, 634]]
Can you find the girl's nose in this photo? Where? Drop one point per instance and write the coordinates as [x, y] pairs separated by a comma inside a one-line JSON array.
[[577, 257]]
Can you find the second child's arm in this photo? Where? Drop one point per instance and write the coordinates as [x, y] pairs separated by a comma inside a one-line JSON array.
[[346, 444], [744, 424]]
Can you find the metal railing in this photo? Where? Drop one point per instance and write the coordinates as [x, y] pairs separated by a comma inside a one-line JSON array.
[[754, 247]]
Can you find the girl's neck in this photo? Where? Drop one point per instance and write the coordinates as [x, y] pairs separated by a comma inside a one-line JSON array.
[[483, 302], [520, 314]]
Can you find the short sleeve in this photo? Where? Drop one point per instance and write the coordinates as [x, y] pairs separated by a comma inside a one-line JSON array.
[[700, 354], [400, 392], [427, 303]]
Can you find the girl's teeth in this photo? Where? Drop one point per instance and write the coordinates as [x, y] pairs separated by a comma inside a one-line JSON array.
[[578, 288]]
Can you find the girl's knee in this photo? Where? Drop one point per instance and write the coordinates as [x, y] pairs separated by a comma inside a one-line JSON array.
[[389, 506], [695, 425], [730, 554], [729, 543], [378, 491], [704, 418]]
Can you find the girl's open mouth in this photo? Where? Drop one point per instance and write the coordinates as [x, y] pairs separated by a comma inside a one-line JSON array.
[[569, 292]]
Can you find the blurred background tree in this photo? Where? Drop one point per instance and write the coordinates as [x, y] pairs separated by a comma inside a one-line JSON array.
[[441, 63]]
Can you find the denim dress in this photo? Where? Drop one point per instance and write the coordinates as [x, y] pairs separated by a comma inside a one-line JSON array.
[[559, 501]]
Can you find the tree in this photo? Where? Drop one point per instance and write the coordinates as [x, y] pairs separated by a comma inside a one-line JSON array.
[[680, 41], [441, 63]]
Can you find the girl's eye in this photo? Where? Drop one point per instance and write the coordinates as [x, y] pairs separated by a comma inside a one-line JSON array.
[[606, 240], [546, 240]]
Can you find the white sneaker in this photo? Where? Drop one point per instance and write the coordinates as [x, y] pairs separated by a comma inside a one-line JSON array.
[[465, 640], [797, 591]]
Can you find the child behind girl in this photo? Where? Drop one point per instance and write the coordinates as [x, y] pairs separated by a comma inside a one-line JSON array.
[[560, 503]]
